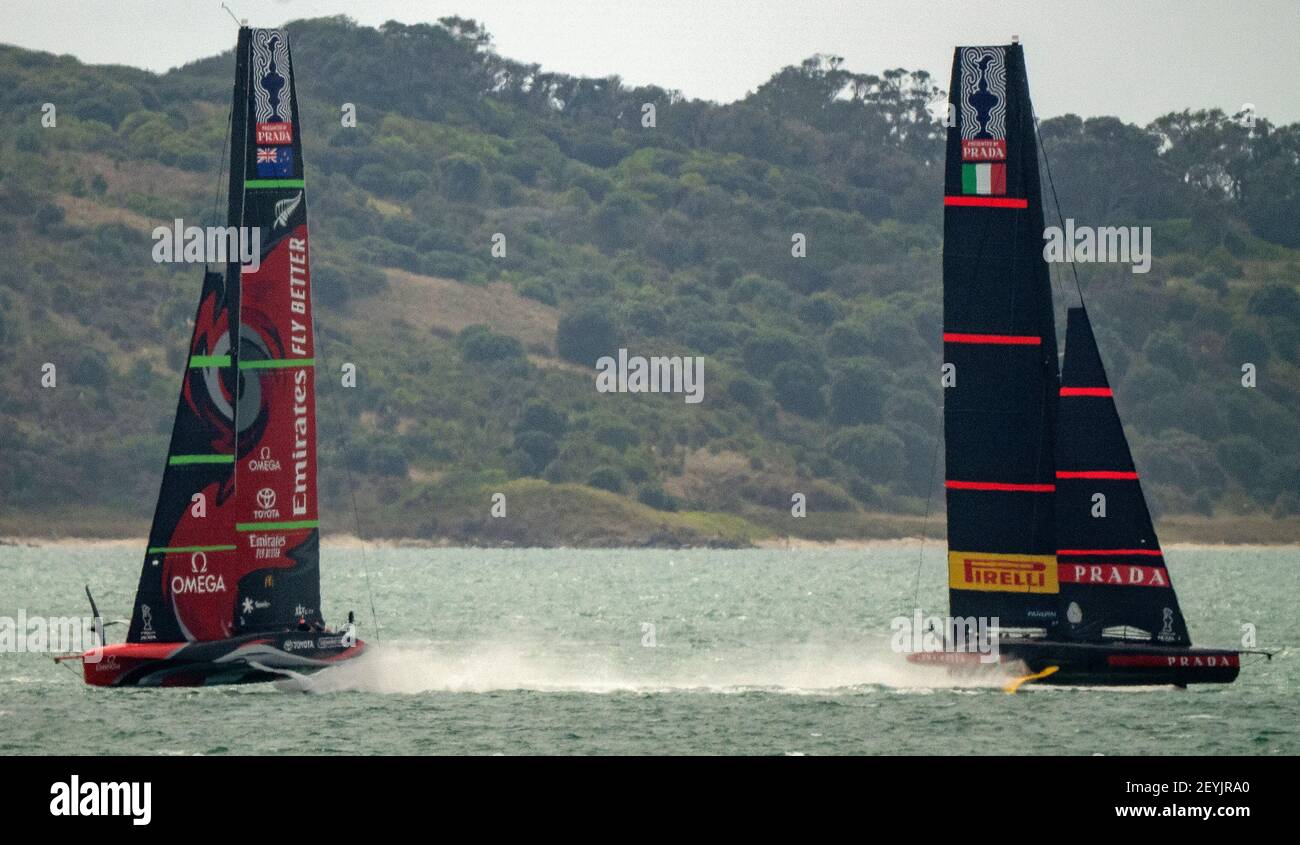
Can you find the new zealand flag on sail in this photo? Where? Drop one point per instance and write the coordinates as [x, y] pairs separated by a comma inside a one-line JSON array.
[[274, 162]]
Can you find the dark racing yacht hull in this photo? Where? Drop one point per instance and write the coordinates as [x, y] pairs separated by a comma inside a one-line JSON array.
[[1105, 665], [253, 658]]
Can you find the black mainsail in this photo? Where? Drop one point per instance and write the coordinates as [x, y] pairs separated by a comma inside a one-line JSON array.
[[999, 335]]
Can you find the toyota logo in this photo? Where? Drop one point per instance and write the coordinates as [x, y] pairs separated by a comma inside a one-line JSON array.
[[266, 498]]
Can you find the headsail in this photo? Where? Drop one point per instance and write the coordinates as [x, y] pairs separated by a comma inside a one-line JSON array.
[[190, 542], [245, 430], [1112, 572], [999, 334]]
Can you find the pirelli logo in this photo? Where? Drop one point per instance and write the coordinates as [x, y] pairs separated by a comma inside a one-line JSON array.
[[1002, 573]]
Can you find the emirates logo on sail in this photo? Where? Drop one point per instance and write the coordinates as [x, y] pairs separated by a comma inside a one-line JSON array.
[[1006, 573]]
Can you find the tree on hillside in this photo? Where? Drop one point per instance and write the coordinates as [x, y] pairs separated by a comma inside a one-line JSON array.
[[585, 335]]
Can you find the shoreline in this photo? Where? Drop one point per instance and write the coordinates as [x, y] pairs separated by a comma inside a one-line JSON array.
[[789, 544]]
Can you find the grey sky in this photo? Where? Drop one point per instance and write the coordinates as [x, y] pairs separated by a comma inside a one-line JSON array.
[[1131, 58]]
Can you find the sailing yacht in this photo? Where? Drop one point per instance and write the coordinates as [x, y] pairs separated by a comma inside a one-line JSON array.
[[1081, 594], [229, 590]]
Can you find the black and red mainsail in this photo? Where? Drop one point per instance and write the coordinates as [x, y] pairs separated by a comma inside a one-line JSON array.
[[234, 545], [1000, 342]]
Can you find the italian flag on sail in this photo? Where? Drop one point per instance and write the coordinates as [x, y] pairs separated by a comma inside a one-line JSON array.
[[988, 179]]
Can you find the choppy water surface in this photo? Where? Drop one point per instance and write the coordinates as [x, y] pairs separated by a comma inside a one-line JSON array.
[[551, 651]]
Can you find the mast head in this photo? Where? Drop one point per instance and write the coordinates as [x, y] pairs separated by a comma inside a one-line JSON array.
[[1015, 39]]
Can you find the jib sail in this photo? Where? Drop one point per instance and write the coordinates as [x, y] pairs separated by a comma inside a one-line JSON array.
[[191, 542], [1112, 573], [1000, 399], [246, 556]]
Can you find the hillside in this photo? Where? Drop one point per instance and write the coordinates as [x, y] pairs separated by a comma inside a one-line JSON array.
[[475, 372]]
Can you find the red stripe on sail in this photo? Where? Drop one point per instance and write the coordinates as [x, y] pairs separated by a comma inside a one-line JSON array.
[[1086, 391], [1107, 475], [987, 202], [995, 339], [1110, 552], [999, 486]]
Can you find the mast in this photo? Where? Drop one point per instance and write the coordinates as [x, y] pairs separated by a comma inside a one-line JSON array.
[[999, 333], [276, 521]]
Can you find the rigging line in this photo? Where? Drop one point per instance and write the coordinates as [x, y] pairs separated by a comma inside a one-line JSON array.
[[365, 570], [929, 496], [221, 168], [1056, 200]]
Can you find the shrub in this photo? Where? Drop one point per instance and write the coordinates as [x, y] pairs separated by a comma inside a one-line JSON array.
[[657, 498], [607, 478], [540, 415], [585, 335], [797, 387], [479, 343], [538, 447]]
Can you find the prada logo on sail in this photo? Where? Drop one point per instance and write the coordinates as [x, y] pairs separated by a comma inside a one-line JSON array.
[[1004, 573], [1113, 574], [275, 133]]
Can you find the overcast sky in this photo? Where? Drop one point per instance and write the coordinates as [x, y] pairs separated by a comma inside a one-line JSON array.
[[1130, 58]]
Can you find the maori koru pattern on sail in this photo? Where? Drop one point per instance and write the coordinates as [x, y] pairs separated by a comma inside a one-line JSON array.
[[983, 93], [271, 89], [984, 121]]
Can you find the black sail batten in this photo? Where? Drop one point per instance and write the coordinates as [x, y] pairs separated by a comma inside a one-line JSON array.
[[1112, 573], [999, 336]]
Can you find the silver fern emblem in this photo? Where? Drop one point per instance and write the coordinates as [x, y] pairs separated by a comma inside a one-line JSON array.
[[286, 207]]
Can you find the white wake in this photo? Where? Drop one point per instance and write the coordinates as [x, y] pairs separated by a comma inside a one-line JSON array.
[[412, 667]]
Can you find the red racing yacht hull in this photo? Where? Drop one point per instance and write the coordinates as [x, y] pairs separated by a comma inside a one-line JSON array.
[[243, 660]]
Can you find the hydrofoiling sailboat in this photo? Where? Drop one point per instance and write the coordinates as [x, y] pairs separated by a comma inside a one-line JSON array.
[[230, 587], [1080, 598]]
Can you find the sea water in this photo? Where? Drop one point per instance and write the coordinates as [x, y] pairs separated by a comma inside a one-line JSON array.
[[530, 651]]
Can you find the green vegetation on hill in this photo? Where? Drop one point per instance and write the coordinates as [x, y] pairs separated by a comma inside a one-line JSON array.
[[474, 372]]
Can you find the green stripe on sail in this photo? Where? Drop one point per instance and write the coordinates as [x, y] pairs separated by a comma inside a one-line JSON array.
[[209, 361], [163, 550], [276, 363], [183, 460], [276, 526], [968, 179], [254, 184]]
